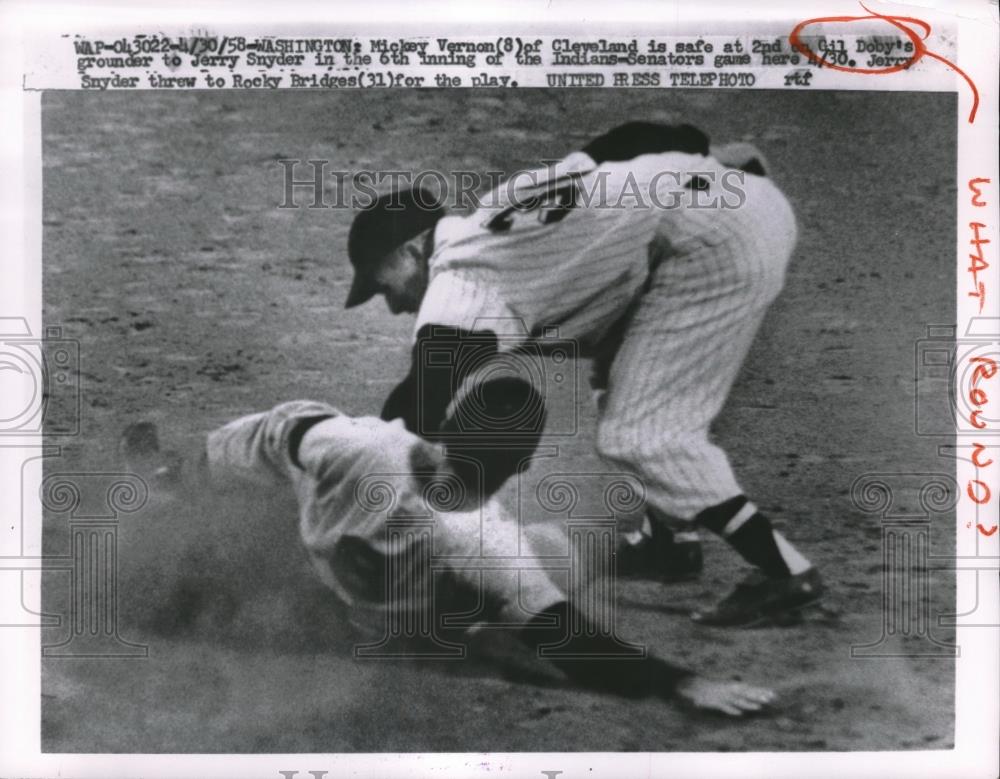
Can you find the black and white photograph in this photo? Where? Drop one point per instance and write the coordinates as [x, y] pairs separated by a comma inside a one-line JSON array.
[[619, 414], [286, 376]]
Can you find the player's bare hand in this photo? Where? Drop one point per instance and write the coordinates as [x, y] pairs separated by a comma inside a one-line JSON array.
[[732, 698]]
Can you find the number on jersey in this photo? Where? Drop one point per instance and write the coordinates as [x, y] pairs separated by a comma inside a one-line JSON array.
[[548, 206]]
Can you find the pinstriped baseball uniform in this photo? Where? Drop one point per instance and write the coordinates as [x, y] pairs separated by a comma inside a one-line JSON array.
[[578, 272], [350, 466], [701, 278]]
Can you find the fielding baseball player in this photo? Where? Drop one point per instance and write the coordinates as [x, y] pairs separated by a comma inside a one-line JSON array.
[[660, 259], [342, 470]]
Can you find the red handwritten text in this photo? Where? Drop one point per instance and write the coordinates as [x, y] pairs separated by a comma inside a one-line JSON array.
[[978, 262], [983, 369]]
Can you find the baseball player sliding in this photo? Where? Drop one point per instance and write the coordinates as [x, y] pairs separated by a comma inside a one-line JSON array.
[[666, 294], [329, 460]]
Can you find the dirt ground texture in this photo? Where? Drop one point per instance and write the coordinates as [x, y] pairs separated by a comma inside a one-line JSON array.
[[195, 300]]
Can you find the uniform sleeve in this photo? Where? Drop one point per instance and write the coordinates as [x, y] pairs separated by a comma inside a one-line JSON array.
[[468, 300]]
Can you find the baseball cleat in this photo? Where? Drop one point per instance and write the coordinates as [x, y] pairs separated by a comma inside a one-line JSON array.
[[659, 557], [140, 449], [759, 598]]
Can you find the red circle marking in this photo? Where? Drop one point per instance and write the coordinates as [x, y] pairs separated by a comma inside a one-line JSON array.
[[900, 23], [919, 49]]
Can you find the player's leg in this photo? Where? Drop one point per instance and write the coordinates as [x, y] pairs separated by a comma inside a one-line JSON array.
[[474, 541], [350, 474], [352, 462], [681, 354], [595, 666], [663, 547]]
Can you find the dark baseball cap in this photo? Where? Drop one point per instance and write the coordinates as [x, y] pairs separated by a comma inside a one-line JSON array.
[[389, 222]]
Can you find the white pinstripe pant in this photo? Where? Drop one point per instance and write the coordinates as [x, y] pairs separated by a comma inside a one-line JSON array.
[[718, 272]]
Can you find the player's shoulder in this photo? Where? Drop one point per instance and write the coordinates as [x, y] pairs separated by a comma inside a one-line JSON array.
[[454, 229]]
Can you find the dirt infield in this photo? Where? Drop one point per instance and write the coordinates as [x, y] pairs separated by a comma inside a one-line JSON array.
[[195, 299]]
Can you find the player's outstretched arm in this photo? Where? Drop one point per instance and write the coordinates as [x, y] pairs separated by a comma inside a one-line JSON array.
[[595, 666], [732, 698]]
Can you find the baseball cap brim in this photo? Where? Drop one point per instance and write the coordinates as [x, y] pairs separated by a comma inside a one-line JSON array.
[[362, 290]]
